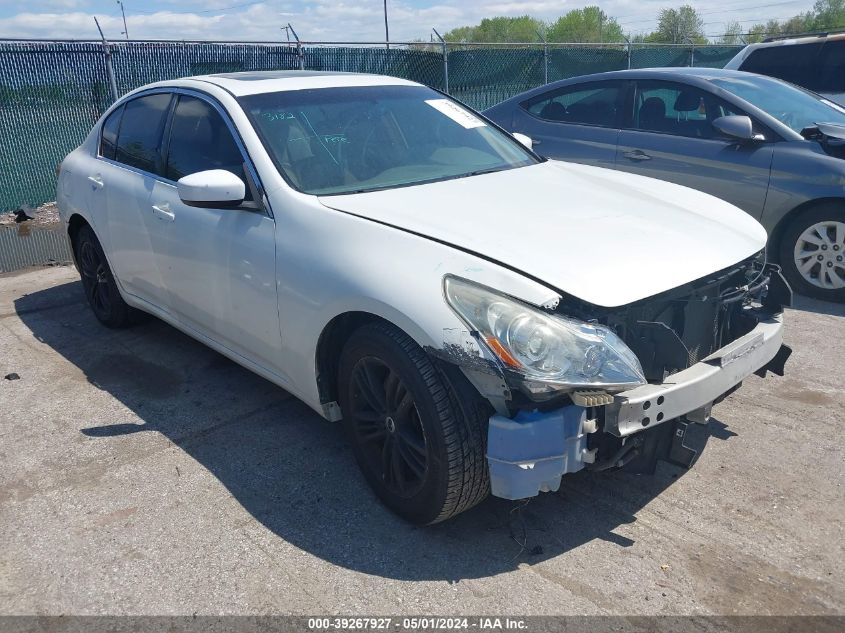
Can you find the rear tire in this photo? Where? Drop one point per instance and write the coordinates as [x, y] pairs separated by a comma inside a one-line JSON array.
[[812, 252], [418, 436], [101, 291]]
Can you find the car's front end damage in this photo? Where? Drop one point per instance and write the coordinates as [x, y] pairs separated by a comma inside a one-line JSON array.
[[587, 403]]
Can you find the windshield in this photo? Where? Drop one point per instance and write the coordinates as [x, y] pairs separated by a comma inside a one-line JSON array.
[[790, 105], [363, 138]]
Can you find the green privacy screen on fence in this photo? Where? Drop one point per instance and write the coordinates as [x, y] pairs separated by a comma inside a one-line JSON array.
[[51, 93]]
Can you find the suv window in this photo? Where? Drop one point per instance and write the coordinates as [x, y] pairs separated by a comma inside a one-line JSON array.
[[201, 140], [832, 67], [677, 109], [108, 137], [140, 131], [795, 63], [587, 104]]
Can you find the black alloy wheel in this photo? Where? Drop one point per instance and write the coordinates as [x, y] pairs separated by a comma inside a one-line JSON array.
[[418, 430], [387, 425]]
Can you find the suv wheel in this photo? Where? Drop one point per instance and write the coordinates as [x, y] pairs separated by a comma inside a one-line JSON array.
[[812, 252], [418, 437]]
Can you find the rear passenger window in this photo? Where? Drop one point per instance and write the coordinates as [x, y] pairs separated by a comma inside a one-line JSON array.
[[140, 131], [590, 104], [795, 63], [201, 140], [108, 137]]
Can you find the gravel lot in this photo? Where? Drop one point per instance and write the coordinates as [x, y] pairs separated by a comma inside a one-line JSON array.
[[145, 474]]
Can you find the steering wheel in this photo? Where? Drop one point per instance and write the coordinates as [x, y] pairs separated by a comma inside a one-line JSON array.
[[365, 158]]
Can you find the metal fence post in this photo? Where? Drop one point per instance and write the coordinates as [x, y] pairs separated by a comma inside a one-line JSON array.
[[299, 52], [545, 57], [628, 51], [445, 62], [692, 55], [109, 67], [545, 62]]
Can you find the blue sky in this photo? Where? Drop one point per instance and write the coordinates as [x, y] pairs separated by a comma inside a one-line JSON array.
[[356, 20]]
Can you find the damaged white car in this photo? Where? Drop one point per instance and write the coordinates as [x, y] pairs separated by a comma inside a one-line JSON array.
[[480, 320]]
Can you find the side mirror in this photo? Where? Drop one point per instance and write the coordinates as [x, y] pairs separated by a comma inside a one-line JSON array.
[[736, 126], [525, 140], [212, 189]]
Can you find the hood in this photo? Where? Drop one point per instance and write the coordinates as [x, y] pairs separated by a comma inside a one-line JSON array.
[[603, 236]]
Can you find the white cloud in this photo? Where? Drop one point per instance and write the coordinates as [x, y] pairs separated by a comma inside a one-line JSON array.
[[345, 20]]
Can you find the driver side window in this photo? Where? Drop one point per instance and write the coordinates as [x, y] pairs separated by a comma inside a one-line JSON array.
[[678, 109], [201, 140]]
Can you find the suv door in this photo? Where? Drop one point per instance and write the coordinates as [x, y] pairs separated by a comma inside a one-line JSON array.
[[670, 136], [578, 123], [218, 264], [121, 182]]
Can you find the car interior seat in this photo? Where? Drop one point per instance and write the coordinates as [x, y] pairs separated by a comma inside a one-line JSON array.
[[653, 115]]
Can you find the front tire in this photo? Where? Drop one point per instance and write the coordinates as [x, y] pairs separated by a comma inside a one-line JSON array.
[[419, 441], [812, 252], [101, 291]]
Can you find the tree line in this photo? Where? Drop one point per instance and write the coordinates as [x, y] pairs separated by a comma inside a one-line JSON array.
[[682, 25]]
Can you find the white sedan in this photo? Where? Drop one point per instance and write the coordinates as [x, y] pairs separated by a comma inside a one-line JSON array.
[[480, 319]]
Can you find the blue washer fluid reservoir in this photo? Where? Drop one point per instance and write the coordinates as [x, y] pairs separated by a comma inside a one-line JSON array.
[[531, 452]]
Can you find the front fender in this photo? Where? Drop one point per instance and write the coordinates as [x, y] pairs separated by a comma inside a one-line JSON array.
[[330, 263]]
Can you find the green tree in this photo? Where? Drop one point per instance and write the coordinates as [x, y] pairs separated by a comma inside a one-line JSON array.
[[756, 33], [828, 14], [589, 24], [678, 26], [732, 36], [499, 29]]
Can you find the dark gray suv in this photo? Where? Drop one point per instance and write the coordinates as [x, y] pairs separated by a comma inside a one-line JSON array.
[[770, 148]]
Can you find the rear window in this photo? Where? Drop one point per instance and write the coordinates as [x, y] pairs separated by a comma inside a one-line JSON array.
[[832, 67], [795, 63], [108, 138], [584, 104], [140, 131]]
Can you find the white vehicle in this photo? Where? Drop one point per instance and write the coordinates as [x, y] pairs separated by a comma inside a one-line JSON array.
[[478, 318]]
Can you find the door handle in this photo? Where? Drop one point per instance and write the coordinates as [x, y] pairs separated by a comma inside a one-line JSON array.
[[97, 181], [163, 211], [636, 154]]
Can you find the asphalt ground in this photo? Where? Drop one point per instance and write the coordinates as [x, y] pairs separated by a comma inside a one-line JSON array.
[[143, 473]]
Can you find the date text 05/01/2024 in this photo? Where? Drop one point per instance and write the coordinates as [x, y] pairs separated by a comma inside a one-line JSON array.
[[425, 623]]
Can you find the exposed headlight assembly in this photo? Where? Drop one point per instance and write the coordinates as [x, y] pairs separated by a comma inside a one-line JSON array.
[[555, 351]]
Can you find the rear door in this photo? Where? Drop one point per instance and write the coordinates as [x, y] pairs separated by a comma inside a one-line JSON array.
[[121, 183], [670, 136], [218, 264], [578, 123]]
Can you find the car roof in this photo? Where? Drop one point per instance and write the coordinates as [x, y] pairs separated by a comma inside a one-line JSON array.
[[662, 73], [805, 38], [258, 82], [696, 75]]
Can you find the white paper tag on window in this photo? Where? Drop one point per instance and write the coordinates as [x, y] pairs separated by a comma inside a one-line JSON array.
[[456, 113]]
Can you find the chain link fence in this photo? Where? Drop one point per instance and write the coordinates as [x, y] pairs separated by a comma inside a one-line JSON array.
[[51, 93]]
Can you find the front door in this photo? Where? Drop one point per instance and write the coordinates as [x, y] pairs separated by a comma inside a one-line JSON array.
[[218, 264], [671, 137]]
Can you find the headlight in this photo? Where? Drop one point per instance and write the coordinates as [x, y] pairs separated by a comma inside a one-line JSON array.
[[545, 348]]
